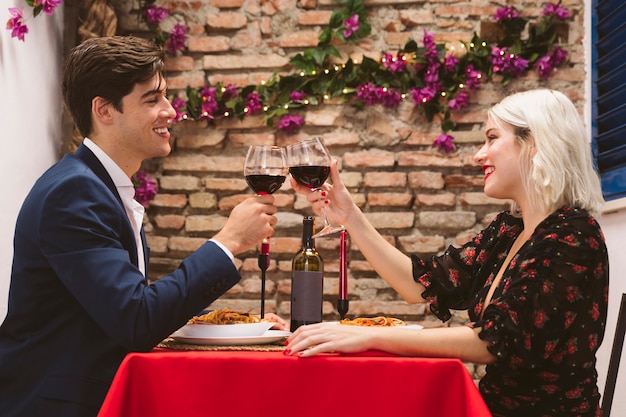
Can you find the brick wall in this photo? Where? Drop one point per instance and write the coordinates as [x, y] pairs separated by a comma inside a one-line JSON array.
[[421, 200]]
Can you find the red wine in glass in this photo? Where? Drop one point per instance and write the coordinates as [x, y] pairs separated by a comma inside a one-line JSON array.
[[265, 183], [309, 164], [312, 176]]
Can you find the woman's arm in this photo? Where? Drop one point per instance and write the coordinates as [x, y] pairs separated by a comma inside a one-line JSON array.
[[460, 342], [392, 265]]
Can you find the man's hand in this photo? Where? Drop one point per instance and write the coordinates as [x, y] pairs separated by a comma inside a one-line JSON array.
[[249, 223]]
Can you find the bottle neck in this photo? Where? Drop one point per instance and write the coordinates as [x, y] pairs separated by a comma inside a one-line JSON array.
[[307, 232]]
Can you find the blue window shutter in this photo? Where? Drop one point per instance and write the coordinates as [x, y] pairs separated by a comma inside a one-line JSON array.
[[609, 95]]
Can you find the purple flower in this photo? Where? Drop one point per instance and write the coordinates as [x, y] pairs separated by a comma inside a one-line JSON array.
[[390, 97], [290, 123], [180, 106], [423, 95], [253, 103], [430, 47], [547, 63], [16, 25], [145, 187], [559, 55], [444, 143], [506, 13], [48, 6], [397, 64], [351, 25], [557, 11], [432, 75], [473, 77], [460, 101], [297, 96], [503, 61], [176, 39], [230, 91], [544, 66], [209, 102], [155, 15], [368, 93], [450, 62]]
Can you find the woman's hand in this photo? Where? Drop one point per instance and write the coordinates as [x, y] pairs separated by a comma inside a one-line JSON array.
[[335, 198], [329, 337]]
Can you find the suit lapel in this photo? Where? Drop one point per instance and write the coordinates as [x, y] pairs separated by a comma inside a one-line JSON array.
[[88, 157], [84, 154]]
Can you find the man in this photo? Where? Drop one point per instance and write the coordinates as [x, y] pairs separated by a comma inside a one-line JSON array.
[[79, 300]]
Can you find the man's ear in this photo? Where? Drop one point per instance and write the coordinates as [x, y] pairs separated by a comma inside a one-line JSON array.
[[101, 110]]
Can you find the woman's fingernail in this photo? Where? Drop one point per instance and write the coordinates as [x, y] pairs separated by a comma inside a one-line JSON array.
[[327, 202], [324, 193], [287, 352], [286, 342]]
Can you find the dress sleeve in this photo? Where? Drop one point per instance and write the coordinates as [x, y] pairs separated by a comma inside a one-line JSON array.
[[554, 301], [450, 279]]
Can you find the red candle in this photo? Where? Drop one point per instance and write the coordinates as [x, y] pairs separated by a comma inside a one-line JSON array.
[[343, 266]]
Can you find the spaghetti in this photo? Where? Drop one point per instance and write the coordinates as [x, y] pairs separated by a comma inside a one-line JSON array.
[[224, 316], [379, 321]]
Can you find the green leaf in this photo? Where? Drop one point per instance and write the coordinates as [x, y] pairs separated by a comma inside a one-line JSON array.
[[326, 36], [448, 125], [336, 20]]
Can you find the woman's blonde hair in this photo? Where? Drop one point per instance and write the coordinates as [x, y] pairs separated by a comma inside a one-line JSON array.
[[556, 161]]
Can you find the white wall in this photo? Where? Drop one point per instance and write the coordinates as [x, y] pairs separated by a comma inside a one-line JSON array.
[[30, 116], [614, 228]]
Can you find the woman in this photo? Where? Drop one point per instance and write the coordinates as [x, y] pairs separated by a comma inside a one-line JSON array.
[[535, 281]]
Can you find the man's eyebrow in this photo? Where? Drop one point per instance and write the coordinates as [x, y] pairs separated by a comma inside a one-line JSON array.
[[152, 92]]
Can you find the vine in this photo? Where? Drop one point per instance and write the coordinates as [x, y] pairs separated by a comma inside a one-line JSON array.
[[437, 80]]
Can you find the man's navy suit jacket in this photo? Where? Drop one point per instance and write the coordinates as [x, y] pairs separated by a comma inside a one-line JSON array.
[[77, 301]]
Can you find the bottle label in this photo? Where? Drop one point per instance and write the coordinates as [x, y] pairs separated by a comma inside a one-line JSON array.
[[307, 293]]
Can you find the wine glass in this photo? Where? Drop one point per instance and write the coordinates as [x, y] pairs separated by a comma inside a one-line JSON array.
[[309, 164], [265, 170]]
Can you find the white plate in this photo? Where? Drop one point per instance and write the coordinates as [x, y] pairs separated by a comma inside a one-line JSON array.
[[224, 330], [268, 337]]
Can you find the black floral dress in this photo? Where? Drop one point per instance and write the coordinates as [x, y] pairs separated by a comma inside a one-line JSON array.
[[546, 318]]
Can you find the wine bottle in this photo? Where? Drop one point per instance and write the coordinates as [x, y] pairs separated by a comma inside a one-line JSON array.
[[307, 280]]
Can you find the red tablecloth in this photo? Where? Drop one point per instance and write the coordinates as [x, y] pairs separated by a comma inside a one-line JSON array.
[[268, 384]]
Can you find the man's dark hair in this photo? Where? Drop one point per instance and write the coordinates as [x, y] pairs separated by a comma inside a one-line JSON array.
[[108, 67]]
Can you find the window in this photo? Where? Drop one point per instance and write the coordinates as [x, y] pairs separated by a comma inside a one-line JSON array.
[[609, 94]]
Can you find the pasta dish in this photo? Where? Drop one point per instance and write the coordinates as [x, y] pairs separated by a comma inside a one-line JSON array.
[[380, 321], [225, 316]]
